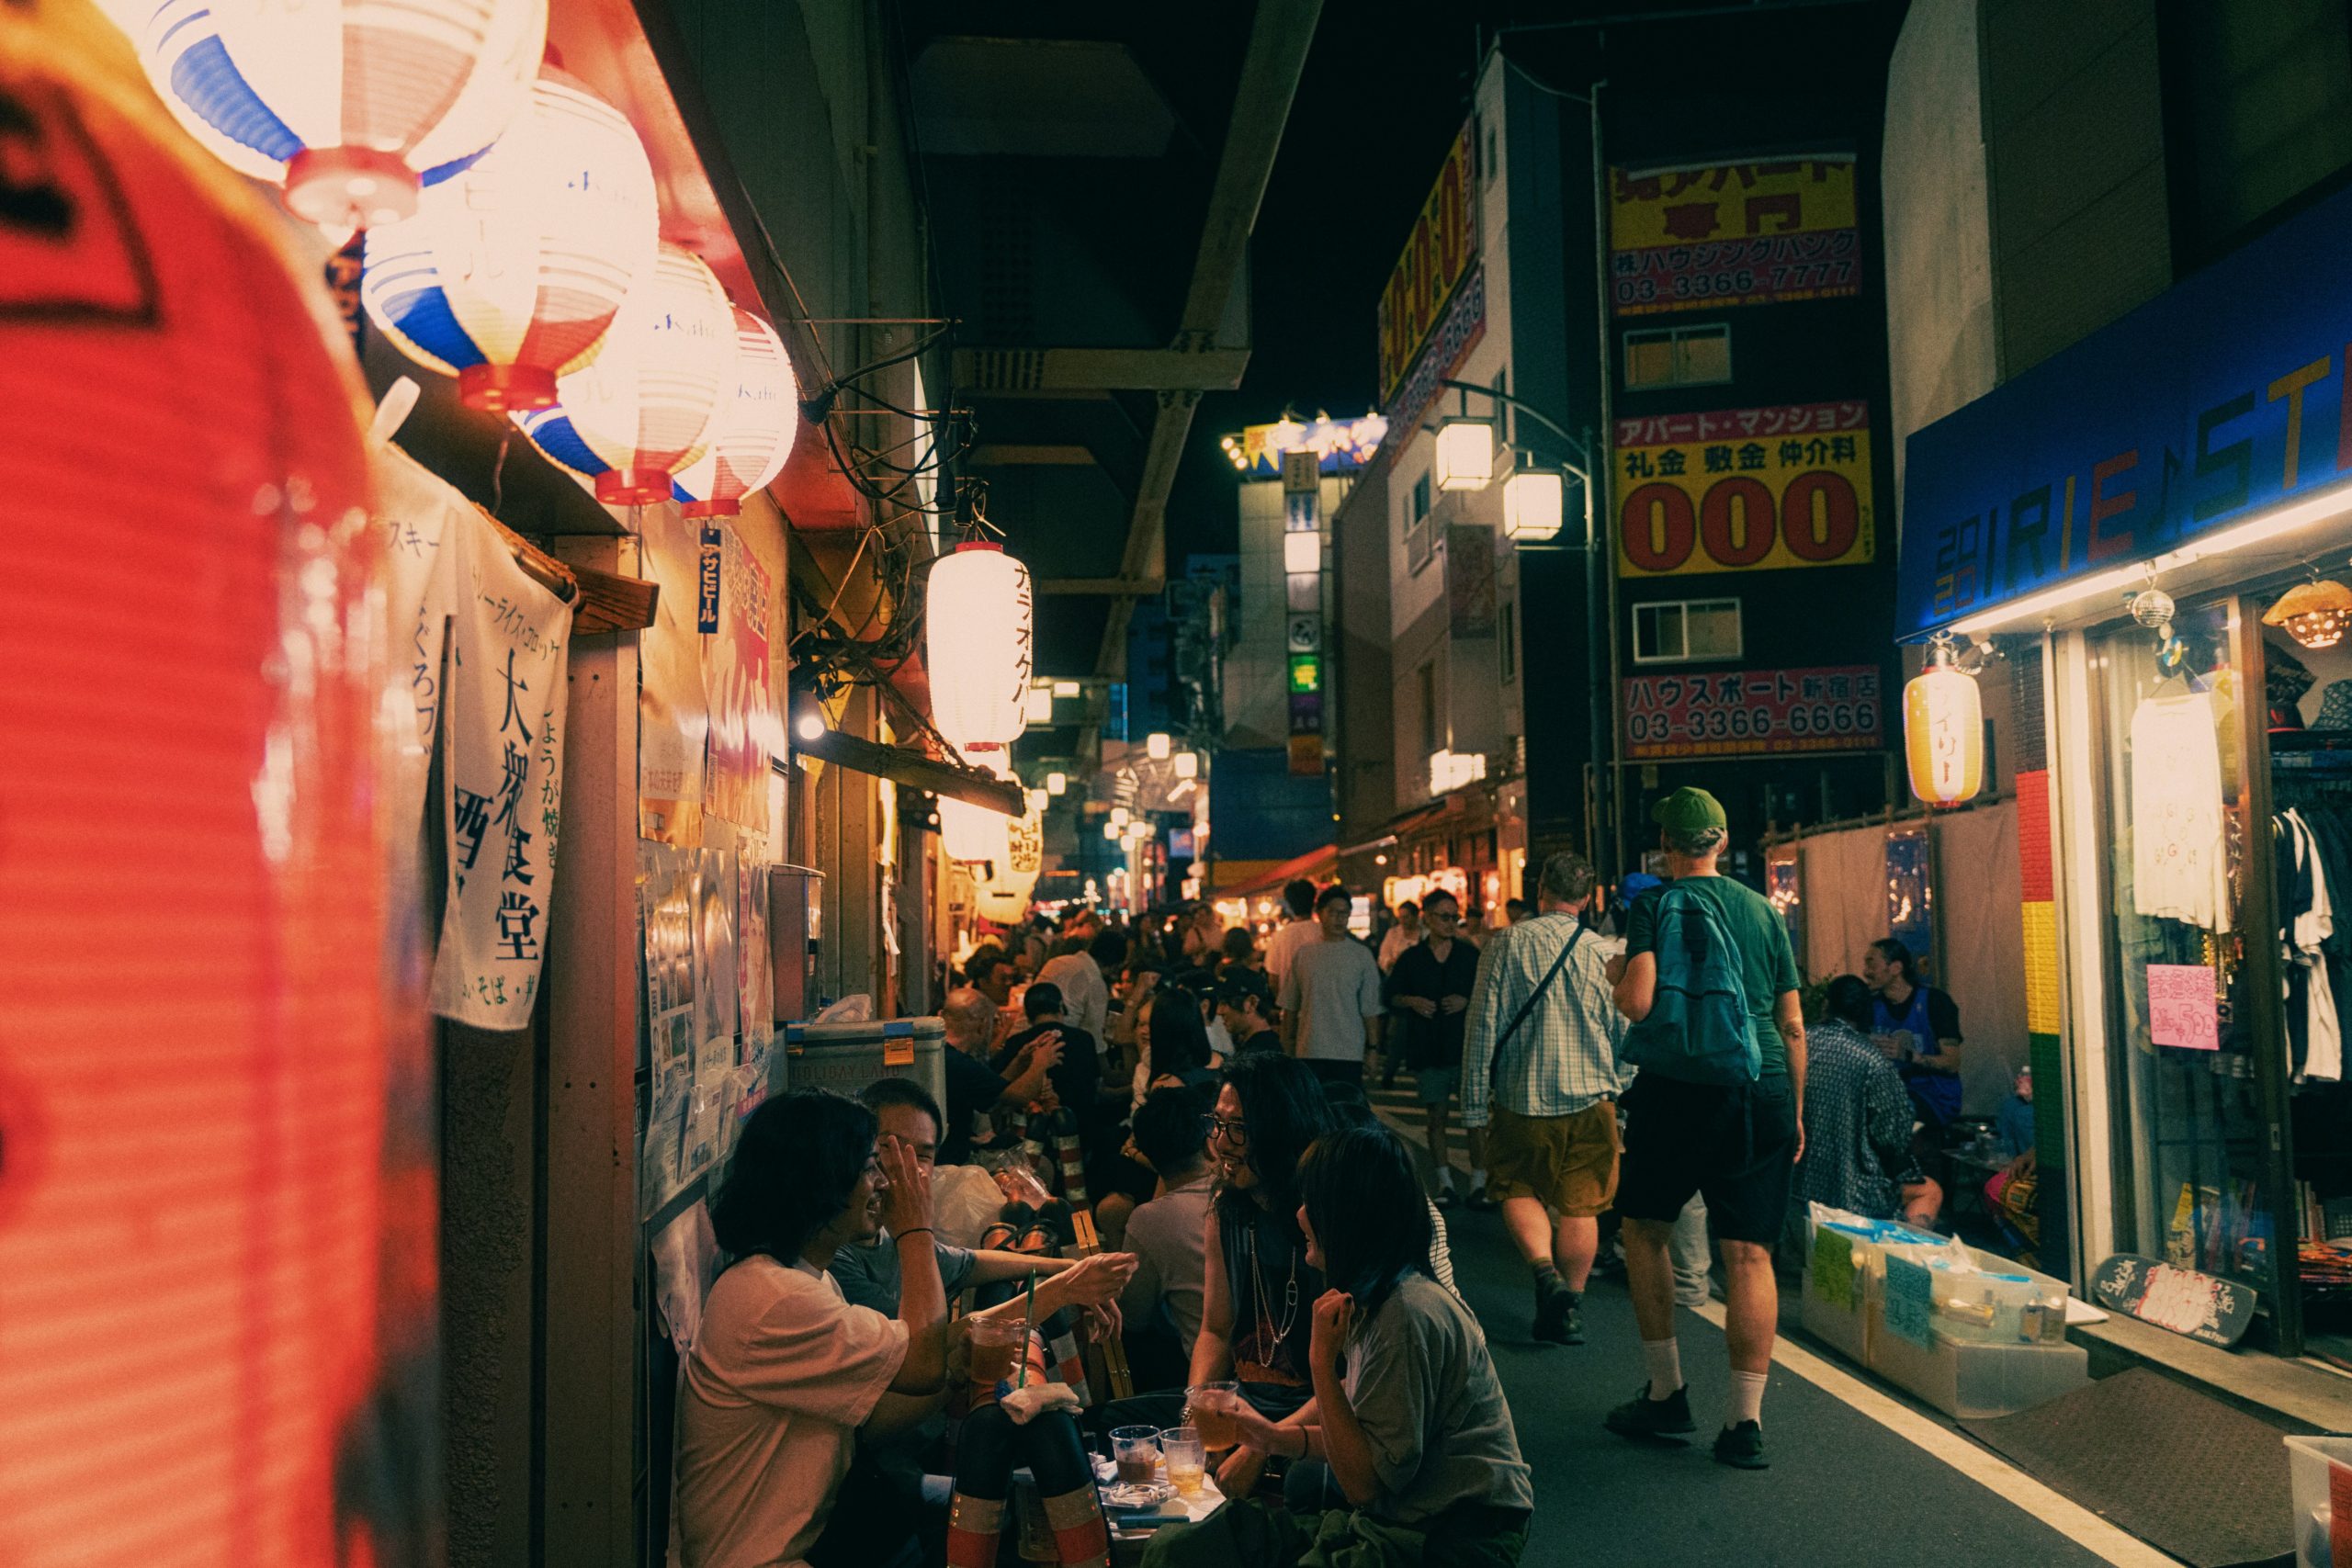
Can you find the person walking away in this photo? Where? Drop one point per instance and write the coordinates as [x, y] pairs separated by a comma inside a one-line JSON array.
[[1540, 1061], [1859, 1116], [1403, 934], [1715, 1110], [1299, 929], [1409, 1413], [1082, 976], [1331, 998], [1429, 989]]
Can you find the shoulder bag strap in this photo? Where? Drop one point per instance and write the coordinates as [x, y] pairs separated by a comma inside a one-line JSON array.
[[1494, 1066]]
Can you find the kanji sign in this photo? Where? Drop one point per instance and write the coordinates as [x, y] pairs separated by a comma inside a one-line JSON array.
[[1724, 234], [1829, 709], [1437, 254], [1745, 490]]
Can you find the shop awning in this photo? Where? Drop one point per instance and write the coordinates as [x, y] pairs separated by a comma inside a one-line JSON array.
[[1314, 865]]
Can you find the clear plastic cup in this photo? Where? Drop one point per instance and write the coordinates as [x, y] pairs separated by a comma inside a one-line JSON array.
[[1135, 1452], [1187, 1461], [1207, 1410], [998, 1346]]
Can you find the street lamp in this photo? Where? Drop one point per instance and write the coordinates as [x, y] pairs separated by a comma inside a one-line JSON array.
[[1533, 500], [1465, 453]]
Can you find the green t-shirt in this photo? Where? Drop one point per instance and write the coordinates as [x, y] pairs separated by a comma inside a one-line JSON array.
[[1767, 967]]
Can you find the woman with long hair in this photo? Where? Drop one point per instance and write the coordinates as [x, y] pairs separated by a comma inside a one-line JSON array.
[[1409, 1412]]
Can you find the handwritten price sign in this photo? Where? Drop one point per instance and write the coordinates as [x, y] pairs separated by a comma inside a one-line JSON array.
[[2181, 1007]]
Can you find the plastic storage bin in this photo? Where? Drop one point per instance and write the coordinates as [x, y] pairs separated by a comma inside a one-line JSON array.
[[1973, 1382], [2312, 1465], [848, 1056]]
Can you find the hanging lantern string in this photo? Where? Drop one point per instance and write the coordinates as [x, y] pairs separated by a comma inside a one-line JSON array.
[[498, 469]]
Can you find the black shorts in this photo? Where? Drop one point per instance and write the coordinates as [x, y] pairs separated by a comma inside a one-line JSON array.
[[1734, 1146]]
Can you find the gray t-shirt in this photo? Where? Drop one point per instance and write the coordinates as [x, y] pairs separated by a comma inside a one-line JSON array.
[[1338, 985], [868, 1276], [1424, 1390]]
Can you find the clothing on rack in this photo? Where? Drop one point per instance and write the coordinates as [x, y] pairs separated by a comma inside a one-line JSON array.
[[2180, 861], [2307, 908]]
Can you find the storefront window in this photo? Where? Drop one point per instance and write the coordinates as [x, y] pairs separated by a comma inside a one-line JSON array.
[[2192, 1143]]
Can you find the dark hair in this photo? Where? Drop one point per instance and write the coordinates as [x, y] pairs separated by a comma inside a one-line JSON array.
[[1894, 952], [1370, 1214], [1514, 907], [1349, 1105], [1109, 947], [1242, 984], [1336, 893], [1180, 1041], [1042, 997], [1436, 895], [1848, 1001], [1566, 877], [1237, 943], [1408, 904], [983, 962], [1298, 896], [796, 1162], [1168, 1130], [1282, 1106], [883, 1093]]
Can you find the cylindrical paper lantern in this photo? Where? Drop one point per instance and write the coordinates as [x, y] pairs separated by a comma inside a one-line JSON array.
[[1004, 897], [974, 833], [977, 645], [511, 272], [350, 105], [752, 435], [1943, 732], [644, 406], [195, 1051]]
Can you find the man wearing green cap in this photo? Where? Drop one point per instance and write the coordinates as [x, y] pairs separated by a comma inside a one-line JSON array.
[[1736, 1145]]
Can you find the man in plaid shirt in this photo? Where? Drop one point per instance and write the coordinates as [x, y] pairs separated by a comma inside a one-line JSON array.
[[1552, 1148]]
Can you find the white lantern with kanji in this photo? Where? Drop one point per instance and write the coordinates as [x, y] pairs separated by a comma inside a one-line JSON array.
[[977, 645], [1943, 731]]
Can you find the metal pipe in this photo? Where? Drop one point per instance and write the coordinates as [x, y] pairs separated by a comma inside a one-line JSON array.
[[1611, 775]]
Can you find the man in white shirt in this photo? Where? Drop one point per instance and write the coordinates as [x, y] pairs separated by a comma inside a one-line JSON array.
[[1402, 935], [1331, 998], [1086, 990], [1299, 931], [1168, 1236]]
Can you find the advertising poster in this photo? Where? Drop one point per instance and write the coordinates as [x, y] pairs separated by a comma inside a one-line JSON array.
[[745, 732], [1709, 235], [716, 997], [1745, 490], [673, 718], [665, 886], [502, 781], [1828, 709], [1437, 256], [755, 971]]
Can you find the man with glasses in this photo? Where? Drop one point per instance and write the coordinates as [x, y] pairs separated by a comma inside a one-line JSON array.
[[1429, 990]]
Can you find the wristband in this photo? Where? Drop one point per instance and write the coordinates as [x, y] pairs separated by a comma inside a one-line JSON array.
[[918, 1230]]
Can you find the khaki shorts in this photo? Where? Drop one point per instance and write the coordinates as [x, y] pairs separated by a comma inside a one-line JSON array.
[[1569, 1162]]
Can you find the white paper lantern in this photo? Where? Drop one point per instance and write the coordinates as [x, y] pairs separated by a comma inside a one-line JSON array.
[[1943, 732], [352, 106], [977, 631], [751, 436], [511, 273], [645, 405], [975, 833], [1004, 897]]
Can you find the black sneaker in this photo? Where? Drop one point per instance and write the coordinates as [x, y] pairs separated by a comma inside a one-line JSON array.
[[1556, 1317], [1572, 1324], [1742, 1446], [1642, 1417]]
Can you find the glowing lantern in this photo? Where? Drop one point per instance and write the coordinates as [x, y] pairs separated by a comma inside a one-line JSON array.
[[1532, 503], [975, 833], [352, 106], [1188, 764], [511, 272], [1943, 731], [977, 645], [1056, 783], [645, 405], [1465, 453], [1004, 897], [2315, 613], [752, 435]]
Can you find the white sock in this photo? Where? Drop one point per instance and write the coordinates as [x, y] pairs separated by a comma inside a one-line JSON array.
[[1445, 1179], [1664, 1360], [1747, 1398]]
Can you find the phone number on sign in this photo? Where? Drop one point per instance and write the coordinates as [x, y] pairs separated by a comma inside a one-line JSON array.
[[1803, 725]]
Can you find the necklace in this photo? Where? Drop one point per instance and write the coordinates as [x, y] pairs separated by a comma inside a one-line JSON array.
[[1259, 1299]]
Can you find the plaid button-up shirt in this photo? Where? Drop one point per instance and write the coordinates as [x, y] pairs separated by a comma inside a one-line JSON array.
[[1564, 1057]]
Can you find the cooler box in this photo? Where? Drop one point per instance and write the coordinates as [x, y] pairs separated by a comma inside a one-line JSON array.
[[2315, 1466], [848, 1056]]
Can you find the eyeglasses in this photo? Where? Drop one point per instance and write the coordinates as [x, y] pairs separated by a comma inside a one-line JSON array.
[[1233, 1131]]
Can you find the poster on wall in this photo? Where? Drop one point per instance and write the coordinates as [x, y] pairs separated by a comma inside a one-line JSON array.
[[1745, 490], [665, 889], [717, 994], [672, 714], [1704, 236], [1833, 708], [502, 750], [745, 732]]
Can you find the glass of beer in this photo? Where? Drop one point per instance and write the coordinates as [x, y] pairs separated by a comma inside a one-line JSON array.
[[998, 1345], [1136, 1450], [1187, 1461], [1207, 1410]]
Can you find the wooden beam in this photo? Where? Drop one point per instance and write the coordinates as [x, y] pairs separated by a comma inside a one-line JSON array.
[[1112, 587], [1009, 456], [904, 765]]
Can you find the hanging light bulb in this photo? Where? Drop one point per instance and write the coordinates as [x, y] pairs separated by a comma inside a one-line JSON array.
[[1056, 783], [511, 272], [751, 436], [1156, 746], [2315, 613], [977, 632], [1121, 816], [645, 405], [1188, 764], [351, 107], [1943, 729]]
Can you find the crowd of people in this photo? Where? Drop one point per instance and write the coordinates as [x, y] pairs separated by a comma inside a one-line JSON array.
[[1638, 1088]]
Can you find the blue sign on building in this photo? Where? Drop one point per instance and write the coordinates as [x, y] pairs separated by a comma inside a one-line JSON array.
[[2214, 400]]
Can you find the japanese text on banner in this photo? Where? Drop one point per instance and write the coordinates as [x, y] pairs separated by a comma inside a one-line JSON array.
[[1745, 490], [1829, 709], [1732, 234]]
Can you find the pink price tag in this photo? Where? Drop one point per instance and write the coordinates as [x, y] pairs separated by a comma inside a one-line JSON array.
[[2182, 1010]]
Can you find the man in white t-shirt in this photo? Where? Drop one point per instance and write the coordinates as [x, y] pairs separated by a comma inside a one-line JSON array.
[[782, 1371], [1331, 998], [1299, 931]]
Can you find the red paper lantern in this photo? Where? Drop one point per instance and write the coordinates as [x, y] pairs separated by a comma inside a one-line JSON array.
[[193, 1025]]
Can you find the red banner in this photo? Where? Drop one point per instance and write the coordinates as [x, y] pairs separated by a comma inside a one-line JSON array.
[[1829, 709]]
